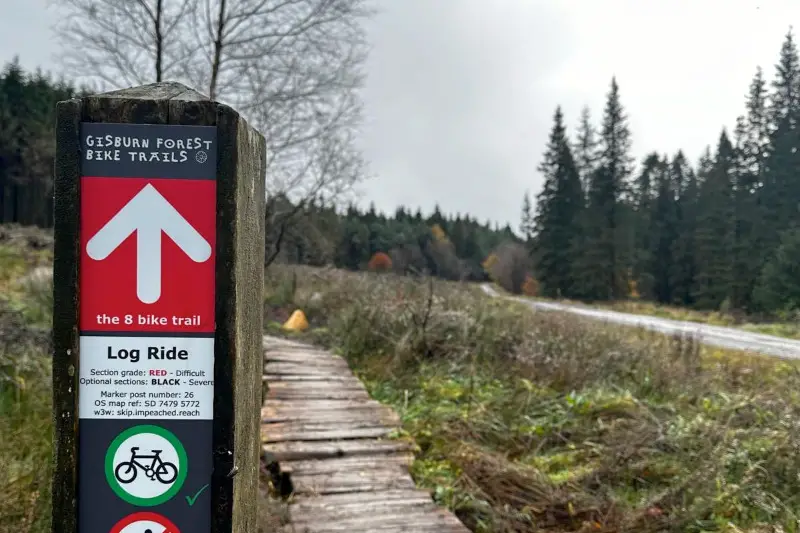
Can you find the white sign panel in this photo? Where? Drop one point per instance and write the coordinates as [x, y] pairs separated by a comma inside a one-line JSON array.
[[146, 377]]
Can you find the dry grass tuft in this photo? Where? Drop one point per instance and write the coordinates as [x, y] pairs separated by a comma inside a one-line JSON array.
[[25, 399], [532, 421]]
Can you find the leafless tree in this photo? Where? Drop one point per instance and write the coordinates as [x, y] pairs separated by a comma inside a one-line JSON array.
[[293, 68], [119, 43], [511, 267]]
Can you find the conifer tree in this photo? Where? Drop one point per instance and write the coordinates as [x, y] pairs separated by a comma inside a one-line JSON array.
[[558, 207], [752, 138], [604, 270], [778, 287], [527, 225], [754, 128], [781, 189], [715, 229], [684, 262], [642, 204], [663, 233], [585, 148]]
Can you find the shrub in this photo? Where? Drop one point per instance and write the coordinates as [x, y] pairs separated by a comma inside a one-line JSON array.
[[508, 266], [380, 262], [438, 233], [531, 286]]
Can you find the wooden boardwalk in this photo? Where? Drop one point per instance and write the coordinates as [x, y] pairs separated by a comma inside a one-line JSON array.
[[326, 442]]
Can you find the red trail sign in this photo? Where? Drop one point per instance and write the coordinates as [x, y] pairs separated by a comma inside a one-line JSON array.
[[147, 254]]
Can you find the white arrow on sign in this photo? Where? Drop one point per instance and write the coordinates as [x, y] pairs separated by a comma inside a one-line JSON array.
[[148, 214]]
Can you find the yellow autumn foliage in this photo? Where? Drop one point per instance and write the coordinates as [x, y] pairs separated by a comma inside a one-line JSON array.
[[633, 289], [530, 287], [489, 262], [438, 233]]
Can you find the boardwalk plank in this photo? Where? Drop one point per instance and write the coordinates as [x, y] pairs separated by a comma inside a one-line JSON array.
[[339, 501], [301, 404], [306, 385], [300, 369], [300, 450], [386, 417], [317, 394], [270, 435], [347, 464], [368, 480], [316, 426], [310, 359], [331, 439], [273, 379], [434, 520], [315, 514]]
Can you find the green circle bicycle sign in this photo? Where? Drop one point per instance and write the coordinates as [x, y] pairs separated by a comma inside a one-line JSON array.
[[146, 465]]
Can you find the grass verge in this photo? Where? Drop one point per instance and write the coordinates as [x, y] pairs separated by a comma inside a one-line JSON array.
[[539, 422], [25, 391]]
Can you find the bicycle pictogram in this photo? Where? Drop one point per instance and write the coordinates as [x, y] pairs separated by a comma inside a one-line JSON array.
[[163, 471], [146, 465]]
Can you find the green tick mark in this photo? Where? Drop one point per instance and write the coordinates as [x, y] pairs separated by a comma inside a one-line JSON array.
[[191, 499]]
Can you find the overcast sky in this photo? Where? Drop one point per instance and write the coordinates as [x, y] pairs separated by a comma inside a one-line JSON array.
[[461, 93]]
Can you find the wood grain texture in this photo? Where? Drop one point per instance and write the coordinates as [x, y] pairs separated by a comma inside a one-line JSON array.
[[321, 429], [241, 204], [66, 252]]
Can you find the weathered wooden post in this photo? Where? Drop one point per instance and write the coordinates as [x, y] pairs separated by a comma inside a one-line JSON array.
[[157, 323]]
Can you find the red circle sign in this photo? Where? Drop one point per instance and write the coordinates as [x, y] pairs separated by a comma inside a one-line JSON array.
[[144, 523]]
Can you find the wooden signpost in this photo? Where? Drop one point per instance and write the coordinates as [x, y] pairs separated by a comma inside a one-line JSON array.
[[157, 324]]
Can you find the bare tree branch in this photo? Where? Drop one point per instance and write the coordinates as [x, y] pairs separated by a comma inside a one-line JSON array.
[[292, 67], [123, 42], [282, 222]]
